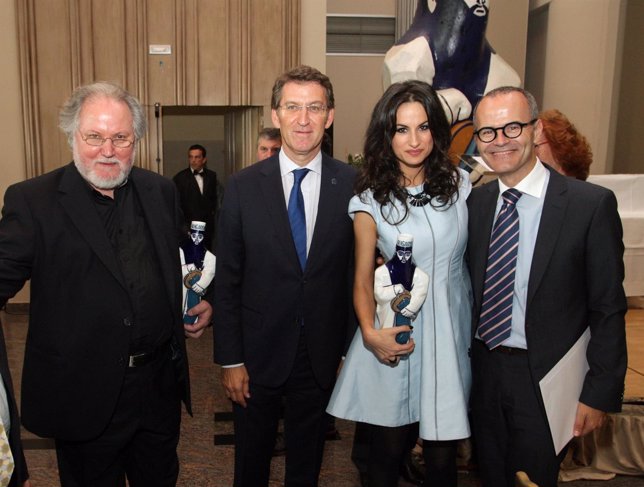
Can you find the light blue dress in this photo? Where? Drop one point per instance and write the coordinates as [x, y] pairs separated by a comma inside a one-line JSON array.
[[432, 384]]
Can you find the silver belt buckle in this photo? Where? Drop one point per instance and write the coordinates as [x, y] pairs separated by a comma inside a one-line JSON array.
[[132, 358]]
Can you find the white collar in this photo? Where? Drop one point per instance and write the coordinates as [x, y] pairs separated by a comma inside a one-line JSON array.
[[287, 165], [533, 184]]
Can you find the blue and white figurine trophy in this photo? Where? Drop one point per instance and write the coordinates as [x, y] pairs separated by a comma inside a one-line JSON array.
[[197, 269], [400, 288]]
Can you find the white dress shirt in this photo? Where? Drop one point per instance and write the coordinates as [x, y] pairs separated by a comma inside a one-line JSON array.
[[310, 189], [199, 178], [529, 206]]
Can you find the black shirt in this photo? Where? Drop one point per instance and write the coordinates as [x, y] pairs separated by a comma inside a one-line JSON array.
[[128, 232]]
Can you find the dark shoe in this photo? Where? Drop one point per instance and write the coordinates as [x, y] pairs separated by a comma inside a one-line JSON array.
[[411, 470], [280, 445]]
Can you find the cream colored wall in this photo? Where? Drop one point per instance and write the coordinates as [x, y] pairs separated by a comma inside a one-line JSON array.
[[12, 167], [536, 52], [630, 120], [313, 42], [357, 79], [362, 7], [580, 71], [507, 31], [357, 86], [13, 164]]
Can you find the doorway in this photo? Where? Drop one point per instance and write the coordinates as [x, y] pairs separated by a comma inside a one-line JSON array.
[[228, 134]]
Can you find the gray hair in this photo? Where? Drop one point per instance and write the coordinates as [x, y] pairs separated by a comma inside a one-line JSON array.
[[505, 90], [70, 113], [269, 133]]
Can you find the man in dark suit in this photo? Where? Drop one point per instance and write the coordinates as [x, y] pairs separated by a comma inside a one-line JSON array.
[[9, 409], [105, 361], [282, 297], [198, 193], [561, 275]]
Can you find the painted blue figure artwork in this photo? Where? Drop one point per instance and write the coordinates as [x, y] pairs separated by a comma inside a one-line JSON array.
[[197, 269], [400, 288], [446, 47]]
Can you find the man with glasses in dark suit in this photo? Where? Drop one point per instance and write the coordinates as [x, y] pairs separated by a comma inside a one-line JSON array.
[[105, 366], [545, 258], [282, 291]]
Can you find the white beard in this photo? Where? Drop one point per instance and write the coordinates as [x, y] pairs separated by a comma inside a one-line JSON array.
[[101, 182]]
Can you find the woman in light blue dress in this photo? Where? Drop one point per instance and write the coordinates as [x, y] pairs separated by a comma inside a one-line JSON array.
[[409, 186]]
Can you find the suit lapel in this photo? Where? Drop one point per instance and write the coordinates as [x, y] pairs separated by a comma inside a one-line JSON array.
[[327, 209], [273, 197], [162, 232], [482, 218], [195, 184], [206, 183], [552, 219], [77, 202], [208, 180]]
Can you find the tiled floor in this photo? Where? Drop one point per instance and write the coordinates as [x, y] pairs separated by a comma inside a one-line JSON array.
[[205, 465]]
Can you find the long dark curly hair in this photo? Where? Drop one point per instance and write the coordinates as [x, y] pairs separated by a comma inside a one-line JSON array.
[[381, 171]]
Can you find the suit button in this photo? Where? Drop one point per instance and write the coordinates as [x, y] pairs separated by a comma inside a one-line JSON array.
[[127, 322], [121, 360]]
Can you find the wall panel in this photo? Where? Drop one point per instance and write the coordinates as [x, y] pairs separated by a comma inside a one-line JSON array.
[[27, 66], [108, 39], [162, 69], [224, 53], [211, 67], [53, 77], [265, 47]]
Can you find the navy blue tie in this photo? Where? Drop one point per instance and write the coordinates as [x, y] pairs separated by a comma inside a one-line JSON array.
[[297, 216], [495, 323]]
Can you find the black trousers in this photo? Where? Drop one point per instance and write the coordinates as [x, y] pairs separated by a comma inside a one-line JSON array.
[[508, 421], [140, 441], [305, 425]]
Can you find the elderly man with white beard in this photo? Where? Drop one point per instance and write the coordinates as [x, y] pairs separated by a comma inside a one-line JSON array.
[[105, 363]]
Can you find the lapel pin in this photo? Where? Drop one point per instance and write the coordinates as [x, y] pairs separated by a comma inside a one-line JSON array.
[[334, 181]]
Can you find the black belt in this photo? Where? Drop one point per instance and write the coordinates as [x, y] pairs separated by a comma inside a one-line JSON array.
[[143, 358], [509, 350], [504, 350]]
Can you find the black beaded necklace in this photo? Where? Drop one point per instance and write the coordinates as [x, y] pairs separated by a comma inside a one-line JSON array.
[[419, 199]]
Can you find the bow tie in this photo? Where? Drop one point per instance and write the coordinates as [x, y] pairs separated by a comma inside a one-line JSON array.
[[198, 173]]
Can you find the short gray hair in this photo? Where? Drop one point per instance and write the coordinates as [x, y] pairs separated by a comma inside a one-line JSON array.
[[505, 90], [269, 133], [70, 113]]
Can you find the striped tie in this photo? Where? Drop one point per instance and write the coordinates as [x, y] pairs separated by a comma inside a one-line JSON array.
[[495, 323]]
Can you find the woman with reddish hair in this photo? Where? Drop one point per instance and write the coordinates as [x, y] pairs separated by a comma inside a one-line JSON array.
[[562, 147]]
